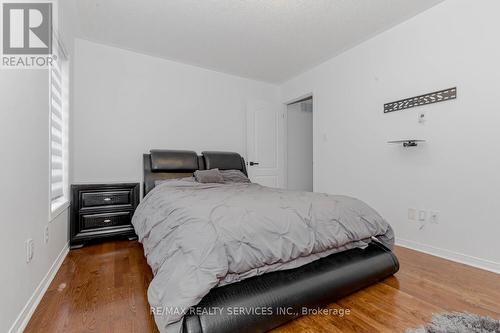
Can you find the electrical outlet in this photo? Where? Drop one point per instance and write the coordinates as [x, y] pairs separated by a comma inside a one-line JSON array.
[[422, 215], [412, 214], [46, 234], [434, 217], [29, 250]]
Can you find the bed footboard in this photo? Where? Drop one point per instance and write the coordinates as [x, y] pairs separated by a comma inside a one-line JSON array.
[[262, 303]]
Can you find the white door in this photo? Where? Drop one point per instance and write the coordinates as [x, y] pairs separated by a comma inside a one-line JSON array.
[[264, 143]]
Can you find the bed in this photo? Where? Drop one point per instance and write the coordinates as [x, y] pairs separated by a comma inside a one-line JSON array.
[[246, 258]]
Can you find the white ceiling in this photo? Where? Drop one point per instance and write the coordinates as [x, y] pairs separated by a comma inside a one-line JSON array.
[[268, 40]]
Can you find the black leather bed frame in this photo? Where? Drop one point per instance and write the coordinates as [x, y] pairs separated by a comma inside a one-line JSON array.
[[264, 302]]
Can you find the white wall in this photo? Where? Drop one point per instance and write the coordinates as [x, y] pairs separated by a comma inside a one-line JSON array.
[[128, 103], [299, 132], [457, 171], [25, 180], [24, 175]]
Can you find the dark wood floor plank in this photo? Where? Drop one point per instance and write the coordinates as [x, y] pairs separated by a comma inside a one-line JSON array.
[[103, 288]]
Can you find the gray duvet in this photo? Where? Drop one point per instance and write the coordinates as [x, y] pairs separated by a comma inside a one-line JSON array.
[[199, 236]]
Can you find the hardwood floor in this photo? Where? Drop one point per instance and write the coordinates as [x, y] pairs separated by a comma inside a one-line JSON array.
[[102, 288]]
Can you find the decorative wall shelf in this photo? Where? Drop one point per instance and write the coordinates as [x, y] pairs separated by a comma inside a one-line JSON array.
[[407, 143], [434, 97]]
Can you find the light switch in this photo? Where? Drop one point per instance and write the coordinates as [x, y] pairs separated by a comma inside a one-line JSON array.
[[412, 214]]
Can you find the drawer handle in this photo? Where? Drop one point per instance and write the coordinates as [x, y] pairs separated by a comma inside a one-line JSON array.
[[107, 199], [106, 221]]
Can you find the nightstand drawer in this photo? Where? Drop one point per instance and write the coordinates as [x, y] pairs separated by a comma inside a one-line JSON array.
[[93, 221], [111, 198]]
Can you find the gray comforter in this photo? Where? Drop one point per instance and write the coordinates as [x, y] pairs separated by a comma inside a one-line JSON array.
[[199, 236]]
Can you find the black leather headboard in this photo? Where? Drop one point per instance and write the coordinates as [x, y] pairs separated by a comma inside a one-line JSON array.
[[173, 160], [171, 164], [224, 161]]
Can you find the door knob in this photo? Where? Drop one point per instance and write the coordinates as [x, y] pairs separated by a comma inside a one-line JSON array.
[[254, 163]]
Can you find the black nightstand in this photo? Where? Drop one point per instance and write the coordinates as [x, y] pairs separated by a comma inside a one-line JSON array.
[[101, 211]]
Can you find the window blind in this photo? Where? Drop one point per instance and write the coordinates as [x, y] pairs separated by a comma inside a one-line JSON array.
[[58, 131]]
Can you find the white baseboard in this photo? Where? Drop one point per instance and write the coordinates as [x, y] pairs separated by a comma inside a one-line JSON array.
[[30, 307], [450, 255]]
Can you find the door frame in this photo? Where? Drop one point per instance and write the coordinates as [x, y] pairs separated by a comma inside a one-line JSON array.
[[284, 140]]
